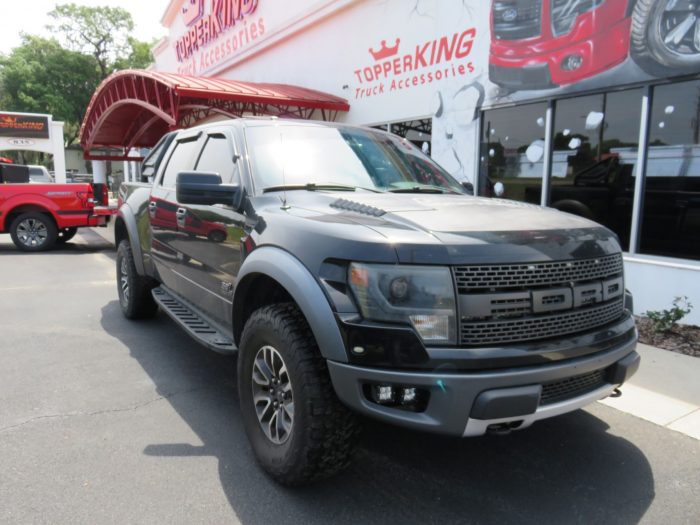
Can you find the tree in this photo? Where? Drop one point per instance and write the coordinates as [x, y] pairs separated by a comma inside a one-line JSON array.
[[40, 76], [140, 56], [103, 33]]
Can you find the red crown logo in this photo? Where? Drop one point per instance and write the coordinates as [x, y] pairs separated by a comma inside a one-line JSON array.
[[385, 52], [192, 10]]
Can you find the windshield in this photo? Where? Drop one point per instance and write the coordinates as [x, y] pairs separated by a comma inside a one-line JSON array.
[[314, 157]]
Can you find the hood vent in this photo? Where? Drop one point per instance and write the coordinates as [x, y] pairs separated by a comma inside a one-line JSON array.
[[344, 204]]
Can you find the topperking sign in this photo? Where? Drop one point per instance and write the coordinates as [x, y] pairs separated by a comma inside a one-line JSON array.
[[216, 29]]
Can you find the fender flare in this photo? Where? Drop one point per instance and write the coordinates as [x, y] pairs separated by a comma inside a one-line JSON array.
[[17, 201], [126, 214], [301, 285]]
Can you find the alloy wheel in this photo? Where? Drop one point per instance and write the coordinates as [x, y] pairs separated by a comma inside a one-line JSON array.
[[32, 233], [124, 279], [678, 28], [272, 395]]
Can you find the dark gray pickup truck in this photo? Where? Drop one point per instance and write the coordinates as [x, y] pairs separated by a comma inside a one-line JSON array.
[[353, 275]]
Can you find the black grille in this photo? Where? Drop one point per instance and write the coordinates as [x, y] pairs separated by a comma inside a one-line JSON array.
[[510, 276], [517, 19], [572, 387], [541, 326]]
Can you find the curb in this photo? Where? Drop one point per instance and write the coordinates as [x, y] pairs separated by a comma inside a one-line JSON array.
[[665, 391]]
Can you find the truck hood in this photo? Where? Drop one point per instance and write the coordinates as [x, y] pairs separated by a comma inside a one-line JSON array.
[[458, 213], [432, 228]]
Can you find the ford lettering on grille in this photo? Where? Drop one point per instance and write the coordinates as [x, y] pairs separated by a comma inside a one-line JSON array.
[[527, 302], [510, 304]]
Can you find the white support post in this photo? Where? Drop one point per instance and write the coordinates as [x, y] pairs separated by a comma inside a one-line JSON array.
[[58, 151], [548, 154], [640, 171], [99, 172]]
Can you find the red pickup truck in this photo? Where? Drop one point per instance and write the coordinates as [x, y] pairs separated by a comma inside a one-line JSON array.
[[542, 44], [38, 216]]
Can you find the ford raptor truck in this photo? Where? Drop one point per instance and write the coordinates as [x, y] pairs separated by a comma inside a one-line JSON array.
[[356, 276]]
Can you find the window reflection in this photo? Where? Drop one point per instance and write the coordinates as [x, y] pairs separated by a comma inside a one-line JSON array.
[[513, 150], [671, 222], [594, 155]]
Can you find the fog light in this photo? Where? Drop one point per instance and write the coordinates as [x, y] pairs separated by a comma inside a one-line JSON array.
[[383, 394], [572, 63], [407, 396]]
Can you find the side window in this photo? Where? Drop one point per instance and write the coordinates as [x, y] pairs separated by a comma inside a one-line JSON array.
[[148, 168], [217, 157], [182, 159]]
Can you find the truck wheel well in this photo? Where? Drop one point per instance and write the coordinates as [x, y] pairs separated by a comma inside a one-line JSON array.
[[27, 208], [120, 231], [255, 291]]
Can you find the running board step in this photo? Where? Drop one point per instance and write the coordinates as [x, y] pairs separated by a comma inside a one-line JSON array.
[[196, 325]]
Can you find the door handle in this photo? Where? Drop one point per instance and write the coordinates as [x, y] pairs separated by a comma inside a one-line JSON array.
[[180, 215], [152, 208]]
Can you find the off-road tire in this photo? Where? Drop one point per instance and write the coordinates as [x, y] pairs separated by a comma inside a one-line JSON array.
[[42, 220], [135, 299], [324, 433], [65, 235], [647, 48]]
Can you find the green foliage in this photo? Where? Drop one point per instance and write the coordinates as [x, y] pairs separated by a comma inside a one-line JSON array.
[[139, 57], [40, 76], [103, 33], [664, 320], [59, 75]]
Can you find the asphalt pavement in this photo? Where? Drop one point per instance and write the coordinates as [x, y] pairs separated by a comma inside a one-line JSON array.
[[103, 420]]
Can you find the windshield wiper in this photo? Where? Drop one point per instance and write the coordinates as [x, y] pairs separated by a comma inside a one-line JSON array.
[[312, 186]]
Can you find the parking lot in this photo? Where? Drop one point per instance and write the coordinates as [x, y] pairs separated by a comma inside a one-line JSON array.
[[103, 420]]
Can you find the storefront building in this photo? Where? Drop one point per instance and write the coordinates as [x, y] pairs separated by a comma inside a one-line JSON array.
[[589, 106]]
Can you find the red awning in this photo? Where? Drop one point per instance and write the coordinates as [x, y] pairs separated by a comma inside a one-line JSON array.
[[134, 108]]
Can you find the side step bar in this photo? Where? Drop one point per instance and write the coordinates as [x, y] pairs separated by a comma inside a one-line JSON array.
[[194, 323]]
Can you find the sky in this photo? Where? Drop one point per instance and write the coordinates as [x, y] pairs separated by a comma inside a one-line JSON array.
[[146, 15]]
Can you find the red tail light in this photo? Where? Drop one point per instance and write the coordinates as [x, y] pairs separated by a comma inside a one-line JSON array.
[[86, 198]]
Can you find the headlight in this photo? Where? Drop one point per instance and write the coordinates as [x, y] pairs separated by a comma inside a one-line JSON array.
[[422, 296], [565, 13]]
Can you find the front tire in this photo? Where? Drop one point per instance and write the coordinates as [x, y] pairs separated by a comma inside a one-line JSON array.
[[134, 290], [33, 232], [299, 430], [666, 41]]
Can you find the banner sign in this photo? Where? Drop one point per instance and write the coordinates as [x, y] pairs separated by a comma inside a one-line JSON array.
[[24, 126]]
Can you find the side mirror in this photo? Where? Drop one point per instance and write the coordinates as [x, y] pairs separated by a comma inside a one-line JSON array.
[[499, 189], [468, 187], [197, 187]]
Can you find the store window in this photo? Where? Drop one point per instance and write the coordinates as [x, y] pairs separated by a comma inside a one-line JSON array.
[[671, 219], [596, 138], [512, 151]]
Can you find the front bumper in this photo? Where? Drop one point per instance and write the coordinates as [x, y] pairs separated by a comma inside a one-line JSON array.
[[467, 404], [539, 65]]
